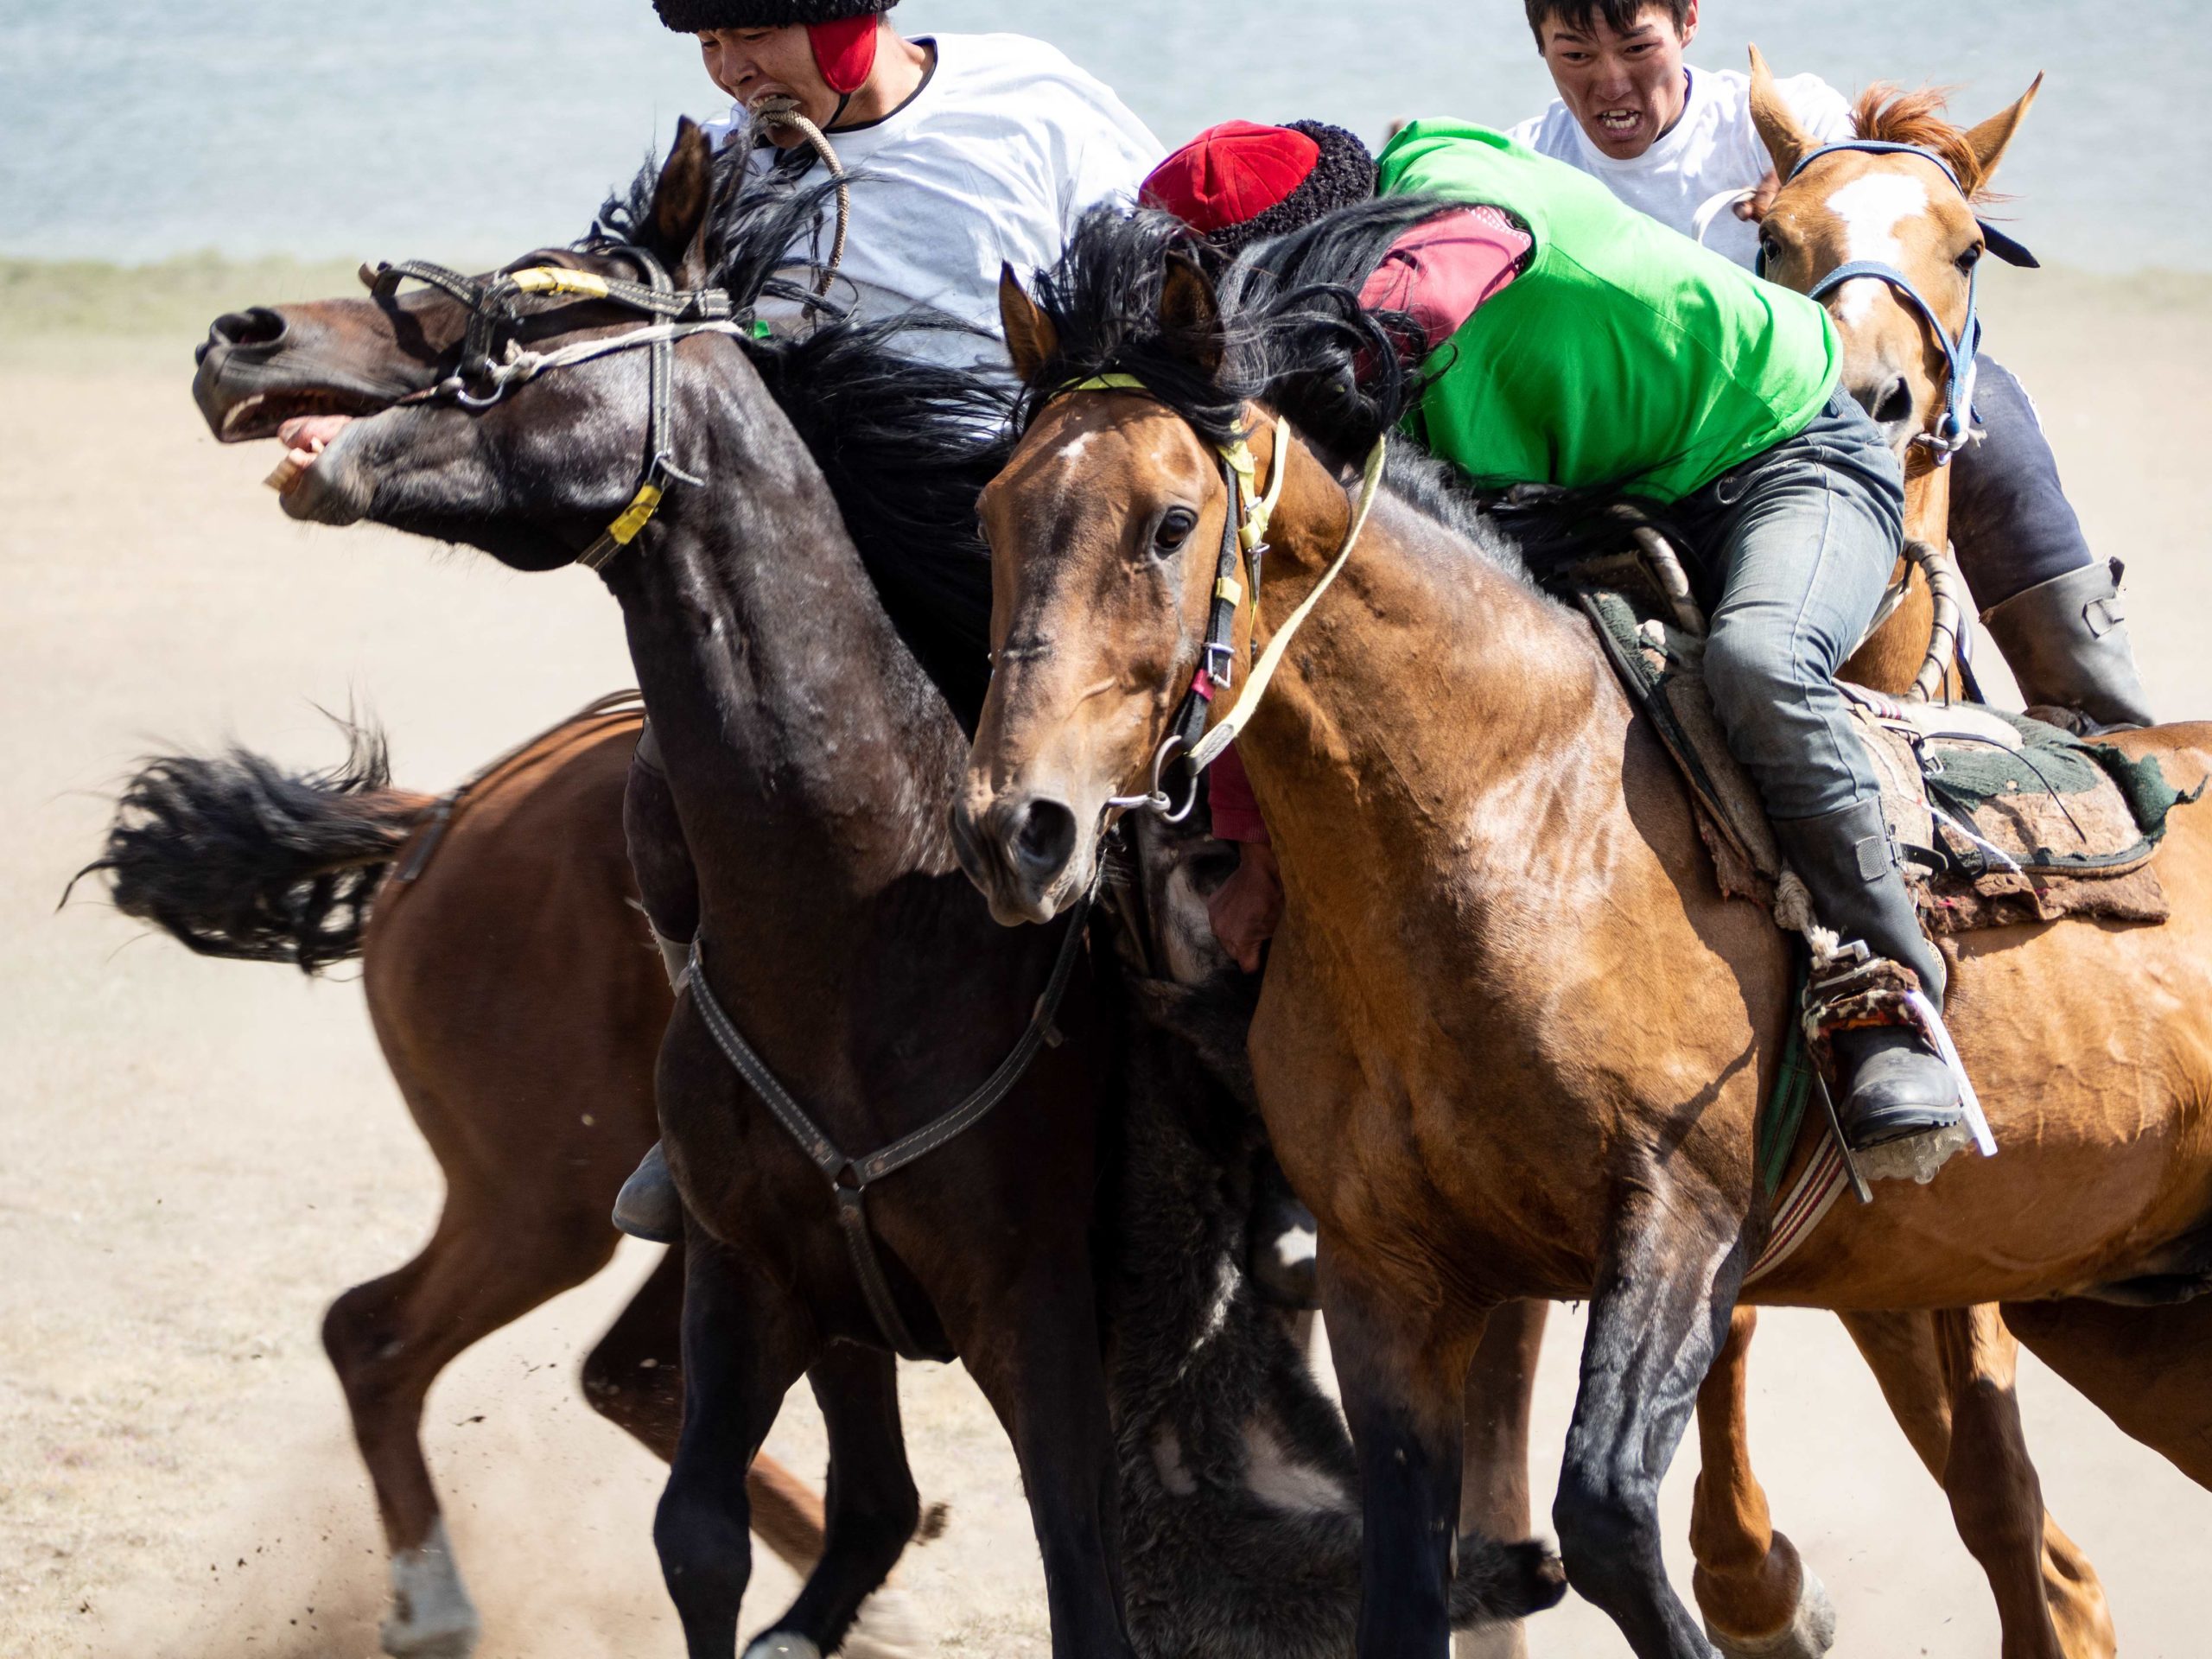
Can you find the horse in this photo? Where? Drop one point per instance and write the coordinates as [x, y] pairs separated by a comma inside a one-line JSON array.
[[519, 1003], [812, 762], [1494, 884], [1896, 210]]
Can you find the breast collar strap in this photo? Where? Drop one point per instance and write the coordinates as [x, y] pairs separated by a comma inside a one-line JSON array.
[[1955, 427], [1244, 547], [483, 380]]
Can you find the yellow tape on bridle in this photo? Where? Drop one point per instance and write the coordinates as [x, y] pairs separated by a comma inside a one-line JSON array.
[[552, 279], [1224, 731]]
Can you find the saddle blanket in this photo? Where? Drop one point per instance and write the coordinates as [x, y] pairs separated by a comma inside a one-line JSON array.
[[2000, 819]]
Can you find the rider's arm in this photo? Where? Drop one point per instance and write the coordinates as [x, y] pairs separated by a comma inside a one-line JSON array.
[[1441, 269]]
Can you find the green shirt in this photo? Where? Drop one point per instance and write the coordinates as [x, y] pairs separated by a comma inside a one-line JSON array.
[[1624, 354]]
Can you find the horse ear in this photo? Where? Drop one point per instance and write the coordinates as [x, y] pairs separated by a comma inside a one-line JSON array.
[[1190, 314], [1031, 339], [680, 199], [1989, 140], [1787, 141]]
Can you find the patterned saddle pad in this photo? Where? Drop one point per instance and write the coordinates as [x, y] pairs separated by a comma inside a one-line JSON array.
[[2001, 819]]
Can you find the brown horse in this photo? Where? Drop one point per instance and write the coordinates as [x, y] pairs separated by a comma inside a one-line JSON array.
[[1856, 205], [1513, 1041], [519, 1003]]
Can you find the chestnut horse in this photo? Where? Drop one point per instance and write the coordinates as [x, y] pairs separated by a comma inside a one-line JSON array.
[[519, 1003], [812, 763], [1513, 1041]]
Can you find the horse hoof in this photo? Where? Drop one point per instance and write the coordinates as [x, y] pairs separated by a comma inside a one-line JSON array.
[[782, 1644], [1809, 1634], [890, 1626], [431, 1615]]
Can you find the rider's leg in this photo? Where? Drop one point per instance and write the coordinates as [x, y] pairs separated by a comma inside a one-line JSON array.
[[648, 1206], [2052, 606], [1805, 538]]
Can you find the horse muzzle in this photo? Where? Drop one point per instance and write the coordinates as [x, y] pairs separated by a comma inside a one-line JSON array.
[[1024, 851]]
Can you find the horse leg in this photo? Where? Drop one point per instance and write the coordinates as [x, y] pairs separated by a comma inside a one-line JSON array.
[[743, 1348], [1760, 1599], [388, 1340], [1494, 1465], [1665, 1292], [1039, 1368], [1901, 1351], [873, 1510], [1995, 1497], [2148, 1368], [1403, 1389], [634, 1378]]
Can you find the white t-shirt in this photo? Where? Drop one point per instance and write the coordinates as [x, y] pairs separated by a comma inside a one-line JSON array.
[[994, 160], [1714, 150]]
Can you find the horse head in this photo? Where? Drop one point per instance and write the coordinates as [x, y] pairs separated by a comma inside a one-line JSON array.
[[1894, 208], [411, 410]]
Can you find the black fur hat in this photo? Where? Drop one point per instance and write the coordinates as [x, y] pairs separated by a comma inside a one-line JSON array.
[[690, 17]]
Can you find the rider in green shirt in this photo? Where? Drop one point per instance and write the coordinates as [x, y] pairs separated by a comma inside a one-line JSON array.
[[1575, 342]]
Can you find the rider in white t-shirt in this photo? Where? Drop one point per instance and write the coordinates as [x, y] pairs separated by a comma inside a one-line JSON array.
[[971, 151], [968, 151], [1678, 144]]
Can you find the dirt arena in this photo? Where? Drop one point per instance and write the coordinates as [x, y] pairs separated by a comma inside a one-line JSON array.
[[196, 1156]]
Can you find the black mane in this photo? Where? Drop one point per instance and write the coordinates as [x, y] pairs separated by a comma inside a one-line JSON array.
[[905, 446]]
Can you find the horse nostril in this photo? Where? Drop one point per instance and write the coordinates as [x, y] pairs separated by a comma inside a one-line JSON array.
[[1896, 404], [1044, 838], [257, 327]]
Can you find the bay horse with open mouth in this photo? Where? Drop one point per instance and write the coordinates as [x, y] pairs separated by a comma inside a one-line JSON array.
[[1512, 1040], [847, 989]]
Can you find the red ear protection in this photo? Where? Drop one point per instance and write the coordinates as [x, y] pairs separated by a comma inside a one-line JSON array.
[[844, 51]]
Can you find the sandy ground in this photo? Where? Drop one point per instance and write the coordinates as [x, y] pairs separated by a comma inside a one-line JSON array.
[[196, 1156]]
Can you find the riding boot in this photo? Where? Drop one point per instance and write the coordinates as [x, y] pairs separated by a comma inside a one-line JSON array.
[[1896, 1086], [649, 1206], [2066, 640]]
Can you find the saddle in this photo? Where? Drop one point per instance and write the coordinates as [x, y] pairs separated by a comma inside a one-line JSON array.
[[1998, 819]]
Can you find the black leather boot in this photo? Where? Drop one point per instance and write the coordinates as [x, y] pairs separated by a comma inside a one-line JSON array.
[[2066, 642], [1897, 1086], [649, 1206]]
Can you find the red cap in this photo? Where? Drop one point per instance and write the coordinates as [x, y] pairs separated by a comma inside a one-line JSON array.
[[845, 51], [1232, 174]]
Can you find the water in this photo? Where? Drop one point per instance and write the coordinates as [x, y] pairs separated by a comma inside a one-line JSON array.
[[132, 129]]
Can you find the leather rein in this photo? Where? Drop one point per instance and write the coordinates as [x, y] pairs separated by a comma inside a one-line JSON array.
[[1954, 429]]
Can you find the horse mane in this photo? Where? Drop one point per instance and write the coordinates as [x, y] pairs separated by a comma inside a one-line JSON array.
[[1290, 330], [1888, 113], [906, 445]]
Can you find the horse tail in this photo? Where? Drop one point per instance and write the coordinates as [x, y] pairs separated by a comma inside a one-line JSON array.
[[1493, 1580], [233, 857]]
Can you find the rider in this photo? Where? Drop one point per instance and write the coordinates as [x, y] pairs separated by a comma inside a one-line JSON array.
[[1589, 346], [968, 151], [1669, 139]]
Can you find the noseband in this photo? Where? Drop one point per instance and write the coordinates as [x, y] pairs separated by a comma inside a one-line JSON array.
[[483, 380], [1956, 429]]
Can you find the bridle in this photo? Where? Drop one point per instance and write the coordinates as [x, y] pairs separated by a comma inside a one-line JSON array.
[[1191, 741], [1954, 429], [484, 379]]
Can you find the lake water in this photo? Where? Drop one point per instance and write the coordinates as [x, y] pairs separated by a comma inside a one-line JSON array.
[[131, 130]]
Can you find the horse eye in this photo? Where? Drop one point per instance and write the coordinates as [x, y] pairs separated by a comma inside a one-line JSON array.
[[1971, 258], [1175, 527]]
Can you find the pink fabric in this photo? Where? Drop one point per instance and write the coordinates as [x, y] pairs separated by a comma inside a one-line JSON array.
[[1439, 271], [1236, 811]]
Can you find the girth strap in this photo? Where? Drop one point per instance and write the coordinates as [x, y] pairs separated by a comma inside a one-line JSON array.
[[850, 1178]]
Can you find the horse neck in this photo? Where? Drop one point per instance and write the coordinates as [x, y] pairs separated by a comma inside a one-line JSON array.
[[1927, 502], [802, 740], [1433, 692]]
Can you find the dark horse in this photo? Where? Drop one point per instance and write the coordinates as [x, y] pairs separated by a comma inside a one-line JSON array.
[[811, 762]]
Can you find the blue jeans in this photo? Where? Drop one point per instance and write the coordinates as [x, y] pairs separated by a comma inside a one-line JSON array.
[[1800, 542], [2012, 525]]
